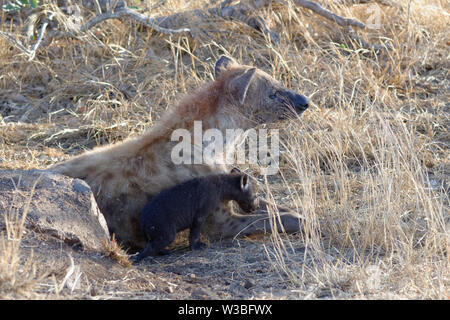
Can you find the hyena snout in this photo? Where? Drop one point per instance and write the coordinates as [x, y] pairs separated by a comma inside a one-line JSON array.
[[249, 206], [294, 100]]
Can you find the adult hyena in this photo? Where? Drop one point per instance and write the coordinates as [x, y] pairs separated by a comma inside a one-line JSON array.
[[126, 175]]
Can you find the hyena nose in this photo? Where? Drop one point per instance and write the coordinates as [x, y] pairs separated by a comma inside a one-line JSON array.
[[299, 102]]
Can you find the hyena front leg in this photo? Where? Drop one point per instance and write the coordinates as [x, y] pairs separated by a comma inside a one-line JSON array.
[[224, 223]]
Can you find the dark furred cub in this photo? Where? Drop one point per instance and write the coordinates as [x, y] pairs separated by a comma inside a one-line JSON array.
[[186, 206]]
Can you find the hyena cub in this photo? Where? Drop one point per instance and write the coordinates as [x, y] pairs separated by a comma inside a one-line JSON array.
[[186, 206]]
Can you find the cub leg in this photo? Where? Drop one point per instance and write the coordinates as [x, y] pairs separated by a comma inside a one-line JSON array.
[[157, 244], [148, 251], [194, 234]]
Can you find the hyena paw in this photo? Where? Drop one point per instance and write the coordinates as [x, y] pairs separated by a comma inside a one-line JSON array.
[[163, 252], [198, 246]]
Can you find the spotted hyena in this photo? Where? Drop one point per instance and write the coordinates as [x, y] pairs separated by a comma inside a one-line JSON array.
[[126, 175], [187, 205]]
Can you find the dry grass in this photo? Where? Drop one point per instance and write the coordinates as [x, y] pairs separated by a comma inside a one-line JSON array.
[[18, 275], [114, 251], [368, 163]]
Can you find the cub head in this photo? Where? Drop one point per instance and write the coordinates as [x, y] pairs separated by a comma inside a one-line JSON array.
[[243, 192]]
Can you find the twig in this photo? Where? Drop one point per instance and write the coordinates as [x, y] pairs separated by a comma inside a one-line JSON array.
[[238, 12], [31, 25], [258, 23], [15, 42], [365, 44], [122, 12], [391, 4], [30, 53], [343, 22], [160, 3], [383, 2], [409, 11], [113, 7], [126, 12], [241, 13], [165, 24], [224, 4], [98, 9], [40, 36]]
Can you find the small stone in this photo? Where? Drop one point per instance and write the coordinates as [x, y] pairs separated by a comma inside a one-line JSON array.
[[199, 294], [248, 284]]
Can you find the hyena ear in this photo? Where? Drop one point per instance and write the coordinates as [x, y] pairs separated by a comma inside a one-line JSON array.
[[240, 84], [245, 183], [223, 63]]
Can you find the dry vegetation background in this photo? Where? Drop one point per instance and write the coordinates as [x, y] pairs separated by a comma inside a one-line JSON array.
[[367, 163]]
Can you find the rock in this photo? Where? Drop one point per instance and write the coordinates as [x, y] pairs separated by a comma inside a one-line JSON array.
[[202, 294], [248, 284], [60, 206]]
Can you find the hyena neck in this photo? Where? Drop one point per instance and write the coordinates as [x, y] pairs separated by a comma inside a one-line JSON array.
[[214, 106], [210, 107]]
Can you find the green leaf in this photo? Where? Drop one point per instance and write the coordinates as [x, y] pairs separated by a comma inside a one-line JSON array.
[[10, 7], [19, 4]]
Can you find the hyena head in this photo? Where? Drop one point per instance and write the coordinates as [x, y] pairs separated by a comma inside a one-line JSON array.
[[241, 190], [256, 95]]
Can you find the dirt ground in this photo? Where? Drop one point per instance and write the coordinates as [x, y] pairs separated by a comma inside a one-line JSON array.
[[224, 270]]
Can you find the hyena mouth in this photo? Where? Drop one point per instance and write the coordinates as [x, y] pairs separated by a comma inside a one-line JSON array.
[[294, 101]]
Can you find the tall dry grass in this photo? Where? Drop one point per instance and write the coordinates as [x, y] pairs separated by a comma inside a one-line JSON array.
[[367, 164], [18, 274]]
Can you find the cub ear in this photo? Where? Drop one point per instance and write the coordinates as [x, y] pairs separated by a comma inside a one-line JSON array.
[[245, 183], [223, 63], [240, 84]]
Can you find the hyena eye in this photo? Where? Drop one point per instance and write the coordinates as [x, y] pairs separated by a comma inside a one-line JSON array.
[[273, 95]]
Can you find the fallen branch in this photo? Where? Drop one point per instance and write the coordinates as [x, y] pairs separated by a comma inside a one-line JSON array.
[[126, 12], [224, 10], [241, 13], [118, 10], [9, 37], [343, 22]]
